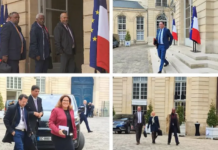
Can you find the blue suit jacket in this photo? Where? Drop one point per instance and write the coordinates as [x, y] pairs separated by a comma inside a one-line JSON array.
[[167, 38], [155, 126]]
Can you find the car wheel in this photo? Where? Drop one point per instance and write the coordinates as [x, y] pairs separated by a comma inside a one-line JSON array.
[[127, 130], [119, 132], [81, 141]]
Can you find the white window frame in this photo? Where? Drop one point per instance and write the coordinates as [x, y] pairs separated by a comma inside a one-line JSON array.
[[141, 34], [162, 3], [140, 81], [13, 84], [121, 30], [40, 83]]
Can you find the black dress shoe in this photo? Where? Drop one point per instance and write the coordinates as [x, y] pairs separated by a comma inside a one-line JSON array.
[[168, 143], [177, 144], [166, 65], [90, 131], [159, 71]]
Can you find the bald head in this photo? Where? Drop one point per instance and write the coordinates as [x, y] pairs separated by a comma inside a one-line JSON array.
[[84, 102], [139, 108], [64, 18], [173, 111]]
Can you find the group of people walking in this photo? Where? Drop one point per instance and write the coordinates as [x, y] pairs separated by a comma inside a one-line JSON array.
[[22, 122], [13, 44], [153, 123]]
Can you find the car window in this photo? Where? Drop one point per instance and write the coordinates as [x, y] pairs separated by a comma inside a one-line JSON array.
[[124, 119]]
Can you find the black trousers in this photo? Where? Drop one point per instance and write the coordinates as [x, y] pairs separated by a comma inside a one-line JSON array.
[[41, 66], [154, 136], [138, 131], [173, 129], [14, 65], [86, 122], [67, 63], [62, 143]]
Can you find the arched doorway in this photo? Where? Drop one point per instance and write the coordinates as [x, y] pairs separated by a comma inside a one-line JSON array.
[[163, 19]]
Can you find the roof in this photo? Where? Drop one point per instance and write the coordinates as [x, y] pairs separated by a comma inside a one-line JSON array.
[[127, 4]]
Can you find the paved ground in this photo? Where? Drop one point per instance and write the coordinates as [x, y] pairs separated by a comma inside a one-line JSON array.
[[97, 140], [132, 59], [128, 142]]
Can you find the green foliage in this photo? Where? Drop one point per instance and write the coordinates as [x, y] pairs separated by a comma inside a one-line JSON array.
[[1, 102], [180, 112], [148, 114], [212, 119], [128, 37], [114, 113]]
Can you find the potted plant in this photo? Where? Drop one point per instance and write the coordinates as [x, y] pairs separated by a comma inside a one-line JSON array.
[[147, 116], [180, 112], [212, 121], [127, 39]]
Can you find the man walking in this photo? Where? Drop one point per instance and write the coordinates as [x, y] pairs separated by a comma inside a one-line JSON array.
[[138, 122], [65, 44], [163, 44], [13, 44], [83, 116], [17, 124], [35, 110], [40, 44]]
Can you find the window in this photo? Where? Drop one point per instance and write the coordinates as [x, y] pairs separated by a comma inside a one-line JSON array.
[[180, 88], [143, 109], [139, 88], [140, 28], [163, 19], [162, 3], [122, 27], [40, 81], [188, 16], [14, 83]]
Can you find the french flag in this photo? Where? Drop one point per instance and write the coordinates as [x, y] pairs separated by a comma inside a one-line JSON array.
[[103, 37], [195, 34], [174, 33]]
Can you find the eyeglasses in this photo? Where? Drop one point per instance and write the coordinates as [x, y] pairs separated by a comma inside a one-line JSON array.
[[66, 101]]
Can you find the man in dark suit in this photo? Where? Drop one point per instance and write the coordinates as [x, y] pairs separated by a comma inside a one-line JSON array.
[[40, 44], [84, 115], [164, 40], [13, 44], [17, 124], [138, 122], [92, 110], [65, 44]]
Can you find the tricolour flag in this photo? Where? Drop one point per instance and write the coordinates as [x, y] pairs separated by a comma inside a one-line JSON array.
[[103, 55], [174, 33], [194, 33]]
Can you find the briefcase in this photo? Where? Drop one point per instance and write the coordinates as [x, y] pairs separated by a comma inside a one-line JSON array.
[[145, 134], [155, 42], [159, 132], [4, 67], [50, 65]]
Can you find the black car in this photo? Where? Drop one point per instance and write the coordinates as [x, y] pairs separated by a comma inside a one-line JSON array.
[[116, 43], [9, 103], [44, 132], [122, 122]]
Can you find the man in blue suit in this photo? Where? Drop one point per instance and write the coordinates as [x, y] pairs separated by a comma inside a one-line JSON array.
[[164, 40], [84, 115], [17, 124]]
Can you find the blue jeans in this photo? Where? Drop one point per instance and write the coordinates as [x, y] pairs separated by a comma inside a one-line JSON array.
[[161, 53], [19, 140]]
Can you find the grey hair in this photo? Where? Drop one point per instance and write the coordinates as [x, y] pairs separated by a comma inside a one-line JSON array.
[[11, 14], [84, 100], [62, 14], [39, 14]]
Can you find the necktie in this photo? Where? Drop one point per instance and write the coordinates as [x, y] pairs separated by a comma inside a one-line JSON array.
[[35, 101], [23, 118], [159, 36], [70, 35]]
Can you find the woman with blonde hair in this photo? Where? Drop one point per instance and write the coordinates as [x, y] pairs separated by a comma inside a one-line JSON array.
[[63, 115], [155, 126]]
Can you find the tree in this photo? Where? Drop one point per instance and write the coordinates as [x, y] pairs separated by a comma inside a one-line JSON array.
[[180, 112], [148, 114], [128, 37], [1, 102], [212, 119], [114, 112]]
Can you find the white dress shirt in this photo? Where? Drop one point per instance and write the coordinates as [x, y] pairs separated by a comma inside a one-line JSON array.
[[161, 36], [85, 110], [139, 117], [35, 102], [21, 125]]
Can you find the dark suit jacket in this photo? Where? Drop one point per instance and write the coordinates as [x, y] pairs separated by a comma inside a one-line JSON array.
[[155, 126], [167, 38], [31, 109], [12, 119], [63, 40], [11, 43], [135, 118], [82, 114], [36, 43]]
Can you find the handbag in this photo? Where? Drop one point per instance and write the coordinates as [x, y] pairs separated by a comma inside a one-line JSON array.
[[159, 132], [145, 134], [4, 67], [50, 65]]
